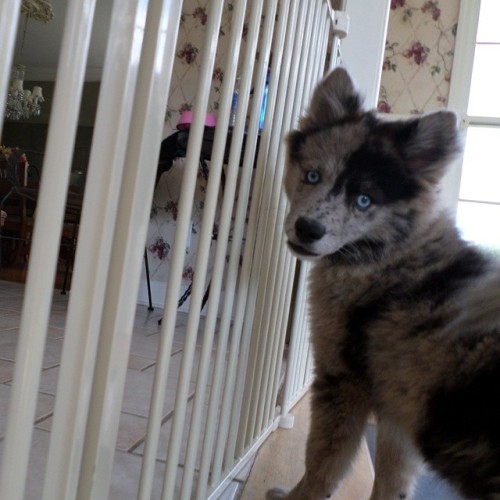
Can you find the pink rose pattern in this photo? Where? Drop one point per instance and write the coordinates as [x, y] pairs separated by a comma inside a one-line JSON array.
[[417, 52], [159, 248], [200, 13], [188, 53]]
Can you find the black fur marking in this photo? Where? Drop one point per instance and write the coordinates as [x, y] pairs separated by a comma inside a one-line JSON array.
[[460, 436], [377, 174], [295, 141], [441, 284], [297, 138], [400, 132]]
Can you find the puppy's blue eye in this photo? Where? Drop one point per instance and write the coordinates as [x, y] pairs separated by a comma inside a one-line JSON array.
[[312, 177], [363, 202]]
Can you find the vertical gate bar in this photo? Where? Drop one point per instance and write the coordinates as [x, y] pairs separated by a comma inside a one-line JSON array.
[[43, 257], [276, 338], [9, 19], [223, 236], [318, 63], [205, 240], [314, 45], [323, 43], [172, 12], [231, 278], [237, 348], [301, 345], [296, 332], [263, 247], [275, 224], [282, 322], [298, 97], [320, 50], [144, 136], [332, 40], [278, 334], [308, 85], [97, 221], [175, 277], [246, 308], [252, 316], [176, 264], [301, 102]]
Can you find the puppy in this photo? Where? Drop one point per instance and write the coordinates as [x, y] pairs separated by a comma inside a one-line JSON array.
[[404, 314]]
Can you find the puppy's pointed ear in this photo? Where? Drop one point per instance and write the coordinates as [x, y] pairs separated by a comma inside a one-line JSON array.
[[334, 100], [433, 141]]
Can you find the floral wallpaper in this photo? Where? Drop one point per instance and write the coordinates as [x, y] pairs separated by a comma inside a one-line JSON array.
[[418, 55], [188, 61], [182, 96]]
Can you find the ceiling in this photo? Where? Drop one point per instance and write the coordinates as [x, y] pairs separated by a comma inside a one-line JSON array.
[[42, 43]]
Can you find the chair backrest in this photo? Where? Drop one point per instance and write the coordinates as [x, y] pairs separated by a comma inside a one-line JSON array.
[[13, 175], [13, 172]]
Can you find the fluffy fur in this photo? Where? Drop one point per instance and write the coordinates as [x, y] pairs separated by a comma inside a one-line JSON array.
[[404, 314]]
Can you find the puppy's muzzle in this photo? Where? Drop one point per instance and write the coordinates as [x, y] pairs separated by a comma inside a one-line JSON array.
[[309, 230]]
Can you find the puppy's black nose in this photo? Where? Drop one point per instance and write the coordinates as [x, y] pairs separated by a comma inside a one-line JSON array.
[[309, 230]]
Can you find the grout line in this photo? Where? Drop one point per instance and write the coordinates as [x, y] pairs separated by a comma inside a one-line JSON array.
[[153, 363], [165, 419]]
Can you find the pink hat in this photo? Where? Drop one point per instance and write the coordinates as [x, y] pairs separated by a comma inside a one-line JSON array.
[[186, 119]]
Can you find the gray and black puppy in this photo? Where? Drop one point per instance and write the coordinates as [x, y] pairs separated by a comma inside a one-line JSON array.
[[404, 314]]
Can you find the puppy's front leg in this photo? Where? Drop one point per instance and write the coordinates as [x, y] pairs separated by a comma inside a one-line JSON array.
[[339, 409], [397, 463]]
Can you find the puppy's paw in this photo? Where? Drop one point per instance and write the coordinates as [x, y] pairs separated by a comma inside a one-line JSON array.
[[276, 494]]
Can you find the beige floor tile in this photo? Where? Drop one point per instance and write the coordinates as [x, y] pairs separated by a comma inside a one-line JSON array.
[[137, 395], [9, 321], [37, 464], [131, 431], [45, 406], [136, 362], [48, 380], [126, 474], [8, 348], [6, 370]]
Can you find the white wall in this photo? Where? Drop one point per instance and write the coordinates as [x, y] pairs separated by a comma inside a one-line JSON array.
[[363, 48]]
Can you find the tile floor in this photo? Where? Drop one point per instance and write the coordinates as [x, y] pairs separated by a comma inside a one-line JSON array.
[[133, 419]]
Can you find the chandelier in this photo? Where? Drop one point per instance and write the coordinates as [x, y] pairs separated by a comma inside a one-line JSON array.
[[27, 103], [22, 103]]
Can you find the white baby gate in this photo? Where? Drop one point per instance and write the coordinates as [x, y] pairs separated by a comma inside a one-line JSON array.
[[247, 329]]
